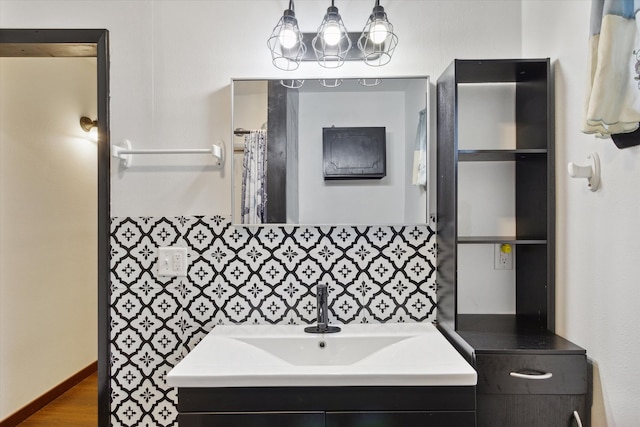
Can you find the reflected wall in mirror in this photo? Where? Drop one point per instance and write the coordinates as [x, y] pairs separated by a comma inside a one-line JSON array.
[[292, 122]]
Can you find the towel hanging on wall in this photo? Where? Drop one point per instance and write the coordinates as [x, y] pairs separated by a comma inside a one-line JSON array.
[[612, 105]]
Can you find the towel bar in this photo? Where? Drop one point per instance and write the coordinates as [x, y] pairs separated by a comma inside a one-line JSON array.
[[125, 150]]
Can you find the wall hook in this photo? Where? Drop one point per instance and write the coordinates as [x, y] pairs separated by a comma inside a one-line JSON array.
[[591, 172]]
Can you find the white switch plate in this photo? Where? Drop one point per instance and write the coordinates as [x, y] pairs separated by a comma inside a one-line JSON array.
[[172, 262]]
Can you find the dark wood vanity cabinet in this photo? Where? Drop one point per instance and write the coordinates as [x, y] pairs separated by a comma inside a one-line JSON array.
[[241, 419], [527, 375], [327, 407], [399, 419], [330, 419]]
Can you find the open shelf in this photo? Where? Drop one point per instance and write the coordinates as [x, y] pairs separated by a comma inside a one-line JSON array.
[[500, 155], [500, 70], [496, 333]]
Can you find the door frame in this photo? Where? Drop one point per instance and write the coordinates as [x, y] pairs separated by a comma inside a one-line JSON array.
[[92, 43]]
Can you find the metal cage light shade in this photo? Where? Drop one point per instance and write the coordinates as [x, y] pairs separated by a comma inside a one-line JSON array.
[[377, 41], [330, 82], [332, 42], [292, 83], [285, 43]]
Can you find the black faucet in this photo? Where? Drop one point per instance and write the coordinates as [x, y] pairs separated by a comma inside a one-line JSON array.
[[323, 326]]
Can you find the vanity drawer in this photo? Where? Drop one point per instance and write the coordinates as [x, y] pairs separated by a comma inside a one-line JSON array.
[[257, 419], [401, 419], [531, 373]]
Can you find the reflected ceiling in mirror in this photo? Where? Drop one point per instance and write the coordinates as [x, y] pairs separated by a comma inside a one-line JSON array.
[[288, 165]]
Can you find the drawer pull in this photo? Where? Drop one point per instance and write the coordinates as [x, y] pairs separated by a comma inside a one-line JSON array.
[[532, 375], [576, 416]]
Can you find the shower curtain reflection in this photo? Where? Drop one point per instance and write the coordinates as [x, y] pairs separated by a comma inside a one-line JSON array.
[[254, 177]]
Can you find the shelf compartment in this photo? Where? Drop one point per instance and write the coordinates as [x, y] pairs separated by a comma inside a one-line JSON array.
[[501, 155], [482, 289], [500, 70]]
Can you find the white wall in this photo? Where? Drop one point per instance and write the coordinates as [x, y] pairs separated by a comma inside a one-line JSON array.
[[48, 213], [598, 233]]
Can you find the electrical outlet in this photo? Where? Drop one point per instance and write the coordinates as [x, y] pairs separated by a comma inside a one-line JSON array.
[[172, 262], [503, 257]]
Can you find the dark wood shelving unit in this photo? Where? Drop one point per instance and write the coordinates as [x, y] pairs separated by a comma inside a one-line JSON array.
[[501, 345]]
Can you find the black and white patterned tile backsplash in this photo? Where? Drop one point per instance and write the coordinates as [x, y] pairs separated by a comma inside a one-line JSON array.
[[247, 275]]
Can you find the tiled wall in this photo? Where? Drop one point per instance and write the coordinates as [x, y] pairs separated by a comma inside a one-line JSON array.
[[255, 275]]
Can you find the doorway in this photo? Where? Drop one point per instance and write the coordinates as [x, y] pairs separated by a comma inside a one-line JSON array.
[[31, 43]]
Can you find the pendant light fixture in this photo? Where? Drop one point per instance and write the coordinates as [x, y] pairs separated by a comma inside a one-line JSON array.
[[285, 43], [377, 41], [332, 42]]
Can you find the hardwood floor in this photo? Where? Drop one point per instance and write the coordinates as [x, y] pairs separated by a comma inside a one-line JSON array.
[[78, 407]]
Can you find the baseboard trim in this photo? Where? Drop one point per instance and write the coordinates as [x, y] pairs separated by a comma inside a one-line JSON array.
[[31, 408]]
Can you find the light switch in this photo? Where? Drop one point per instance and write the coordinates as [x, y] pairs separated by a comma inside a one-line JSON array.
[[172, 262]]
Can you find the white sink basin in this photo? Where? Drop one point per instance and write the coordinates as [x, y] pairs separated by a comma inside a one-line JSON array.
[[398, 354], [326, 350]]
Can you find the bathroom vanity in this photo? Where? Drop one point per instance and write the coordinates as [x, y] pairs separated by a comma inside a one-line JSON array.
[[391, 375]]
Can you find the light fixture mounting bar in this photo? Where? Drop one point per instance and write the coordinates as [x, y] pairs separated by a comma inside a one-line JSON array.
[[354, 54]]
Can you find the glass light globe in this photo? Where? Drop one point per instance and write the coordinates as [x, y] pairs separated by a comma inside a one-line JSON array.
[[379, 32], [331, 34], [288, 37]]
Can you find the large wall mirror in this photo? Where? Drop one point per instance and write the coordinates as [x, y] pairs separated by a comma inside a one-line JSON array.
[[282, 150]]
